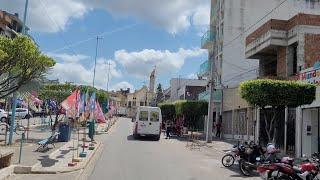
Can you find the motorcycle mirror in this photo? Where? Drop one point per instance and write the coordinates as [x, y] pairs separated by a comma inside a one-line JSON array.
[[304, 156]]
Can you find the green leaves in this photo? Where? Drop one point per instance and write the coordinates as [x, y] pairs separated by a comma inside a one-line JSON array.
[[168, 110], [191, 110], [277, 93], [60, 92], [20, 62]]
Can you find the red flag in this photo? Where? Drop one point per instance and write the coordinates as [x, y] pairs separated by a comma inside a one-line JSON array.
[[99, 114], [70, 104]]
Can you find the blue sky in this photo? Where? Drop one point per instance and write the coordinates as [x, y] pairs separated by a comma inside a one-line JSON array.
[[137, 36]]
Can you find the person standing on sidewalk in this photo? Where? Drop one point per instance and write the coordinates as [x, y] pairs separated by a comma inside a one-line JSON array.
[[218, 126], [168, 129]]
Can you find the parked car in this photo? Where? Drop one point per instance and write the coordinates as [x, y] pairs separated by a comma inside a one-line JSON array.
[[22, 113], [3, 115]]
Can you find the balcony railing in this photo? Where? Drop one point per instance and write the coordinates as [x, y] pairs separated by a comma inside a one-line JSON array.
[[217, 96], [207, 39], [204, 69], [204, 96]]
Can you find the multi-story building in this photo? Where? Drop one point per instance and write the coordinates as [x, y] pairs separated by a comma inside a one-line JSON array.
[[230, 23], [285, 49], [186, 89], [142, 97], [10, 24]]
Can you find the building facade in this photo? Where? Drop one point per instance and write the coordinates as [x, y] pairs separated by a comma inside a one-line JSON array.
[[290, 49], [142, 97], [186, 89], [231, 24], [10, 24]]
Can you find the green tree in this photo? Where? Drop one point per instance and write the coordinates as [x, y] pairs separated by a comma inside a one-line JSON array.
[[277, 95], [159, 95], [192, 111], [57, 93], [168, 111], [21, 61]]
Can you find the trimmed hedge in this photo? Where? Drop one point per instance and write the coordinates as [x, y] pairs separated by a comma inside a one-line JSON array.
[[277, 93], [192, 111], [168, 111]]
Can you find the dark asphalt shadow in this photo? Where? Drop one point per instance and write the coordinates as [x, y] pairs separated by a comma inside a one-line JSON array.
[[47, 162], [235, 168], [141, 138], [62, 153]]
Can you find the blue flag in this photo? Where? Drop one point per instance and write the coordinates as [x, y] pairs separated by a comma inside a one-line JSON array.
[[93, 101]]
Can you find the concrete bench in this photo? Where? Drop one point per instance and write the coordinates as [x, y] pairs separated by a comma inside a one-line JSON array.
[[5, 157]]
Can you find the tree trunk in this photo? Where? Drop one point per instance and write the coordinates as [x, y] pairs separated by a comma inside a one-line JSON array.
[[266, 126]]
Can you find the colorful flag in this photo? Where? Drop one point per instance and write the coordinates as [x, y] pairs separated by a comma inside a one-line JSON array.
[[70, 104], [93, 101], [99, 114]]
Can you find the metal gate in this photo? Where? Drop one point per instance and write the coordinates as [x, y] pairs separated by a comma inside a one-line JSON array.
[[291, 130]]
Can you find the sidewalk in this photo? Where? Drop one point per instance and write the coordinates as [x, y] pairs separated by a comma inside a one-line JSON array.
[[55, 160], [29, 156]]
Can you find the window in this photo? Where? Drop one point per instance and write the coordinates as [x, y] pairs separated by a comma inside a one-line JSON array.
[[143, 116], [141, 103], [154, 116]]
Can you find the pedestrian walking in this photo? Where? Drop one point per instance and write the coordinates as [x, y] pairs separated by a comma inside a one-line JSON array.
[[218, 126], [168, 129]]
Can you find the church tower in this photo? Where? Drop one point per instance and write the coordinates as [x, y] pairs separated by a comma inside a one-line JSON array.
[[152, 81]]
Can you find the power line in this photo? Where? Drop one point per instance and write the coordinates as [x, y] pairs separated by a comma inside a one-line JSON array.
[[240, 35], [257, 22], [108, 76], [59, 28], [92, 38]]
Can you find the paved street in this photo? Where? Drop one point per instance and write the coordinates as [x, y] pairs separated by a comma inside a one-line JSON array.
[[124, 158]]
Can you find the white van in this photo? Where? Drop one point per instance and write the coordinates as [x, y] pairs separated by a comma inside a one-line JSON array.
[[147, 122]]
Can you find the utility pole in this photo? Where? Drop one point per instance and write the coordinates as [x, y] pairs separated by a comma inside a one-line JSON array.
[[95, 61], [14, 99], [109, 64], [211, 102]]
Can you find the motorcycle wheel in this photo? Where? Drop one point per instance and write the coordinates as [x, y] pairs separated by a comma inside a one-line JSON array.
[[227, 160], [245, 170], [284, 177]]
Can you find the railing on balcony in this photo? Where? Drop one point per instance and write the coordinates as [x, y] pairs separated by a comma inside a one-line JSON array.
[[207, 39], [204, 69], [204, 96], [217, 96]]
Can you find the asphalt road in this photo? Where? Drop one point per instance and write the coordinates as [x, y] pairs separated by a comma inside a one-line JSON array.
[[124, 158]]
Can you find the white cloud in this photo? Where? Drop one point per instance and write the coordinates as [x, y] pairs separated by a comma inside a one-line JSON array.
[[68, 57], [122, 85], [140, 64], [47, 15], [172, 15], [192, 76], [81, 74]]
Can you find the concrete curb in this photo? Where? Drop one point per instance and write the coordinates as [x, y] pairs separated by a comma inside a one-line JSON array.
[[88, 168], [6, 172]]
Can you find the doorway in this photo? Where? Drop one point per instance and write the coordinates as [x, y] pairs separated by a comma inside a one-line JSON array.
[[310, 131]]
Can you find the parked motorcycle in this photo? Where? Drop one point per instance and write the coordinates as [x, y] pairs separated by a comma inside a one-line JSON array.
[[231, 156], [253, 156], [285, 170], [269, 170], [307, 170]]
